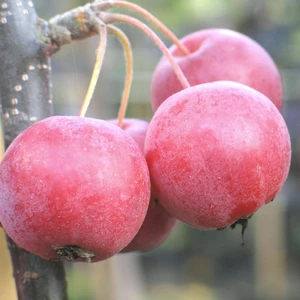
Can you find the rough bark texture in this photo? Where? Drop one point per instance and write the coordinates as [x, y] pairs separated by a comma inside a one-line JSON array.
[[25, 94]]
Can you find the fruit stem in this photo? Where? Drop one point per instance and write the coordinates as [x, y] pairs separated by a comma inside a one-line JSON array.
[[143, 12], [108, 18], [97, 68], [129, 70]]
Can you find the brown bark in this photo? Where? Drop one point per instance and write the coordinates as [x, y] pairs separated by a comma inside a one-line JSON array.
[[25, 95]]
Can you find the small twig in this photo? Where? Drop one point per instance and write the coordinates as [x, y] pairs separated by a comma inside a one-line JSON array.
[[82, 23], [105, 5], [76, 24]]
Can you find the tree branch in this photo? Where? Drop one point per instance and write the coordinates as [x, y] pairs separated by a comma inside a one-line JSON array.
[[25, 95]]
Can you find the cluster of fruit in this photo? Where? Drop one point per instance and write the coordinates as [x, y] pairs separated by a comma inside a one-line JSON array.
[[81, 189]]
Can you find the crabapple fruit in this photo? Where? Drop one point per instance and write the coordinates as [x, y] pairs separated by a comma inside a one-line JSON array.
[[217, 152], [218, 54], [73, 188], [136, 128], [156, 227], [158, 223]]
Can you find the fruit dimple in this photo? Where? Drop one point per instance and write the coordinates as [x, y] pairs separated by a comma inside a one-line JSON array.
[[204, 38], [218, 54]]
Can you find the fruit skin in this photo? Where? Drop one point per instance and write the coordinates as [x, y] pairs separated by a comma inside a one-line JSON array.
[[75, 182], [156, 227], [217, 152], [136, 128], [158, 223], [218, 54]]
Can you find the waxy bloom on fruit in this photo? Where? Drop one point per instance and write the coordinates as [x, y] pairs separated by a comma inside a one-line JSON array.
[[216, 153], [73, 188], [218, 54]]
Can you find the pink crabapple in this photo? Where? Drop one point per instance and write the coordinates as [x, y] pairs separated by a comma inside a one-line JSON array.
[[73, 188], [216, 153], [158, 223], [218, 54]]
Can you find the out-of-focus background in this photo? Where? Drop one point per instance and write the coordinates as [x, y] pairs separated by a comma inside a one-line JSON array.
[[191, 264]]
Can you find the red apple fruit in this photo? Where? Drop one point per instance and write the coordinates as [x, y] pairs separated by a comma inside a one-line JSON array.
[[136, 128], [218, 54], [73, 188], [158, 223], [216, 153]]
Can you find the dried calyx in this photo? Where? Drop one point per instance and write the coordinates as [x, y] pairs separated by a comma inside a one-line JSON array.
[[243, 222], [72, 253]]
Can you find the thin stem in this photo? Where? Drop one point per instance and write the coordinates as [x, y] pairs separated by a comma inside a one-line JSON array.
[[129, 70], [113, 18], [96, 71], [143, 12]]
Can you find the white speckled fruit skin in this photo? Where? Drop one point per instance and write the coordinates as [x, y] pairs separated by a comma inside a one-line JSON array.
[[217, 152]]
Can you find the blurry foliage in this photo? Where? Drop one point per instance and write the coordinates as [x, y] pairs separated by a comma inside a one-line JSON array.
[[79, 286]]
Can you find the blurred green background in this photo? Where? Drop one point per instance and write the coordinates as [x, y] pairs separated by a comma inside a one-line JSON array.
[[192, 264]]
